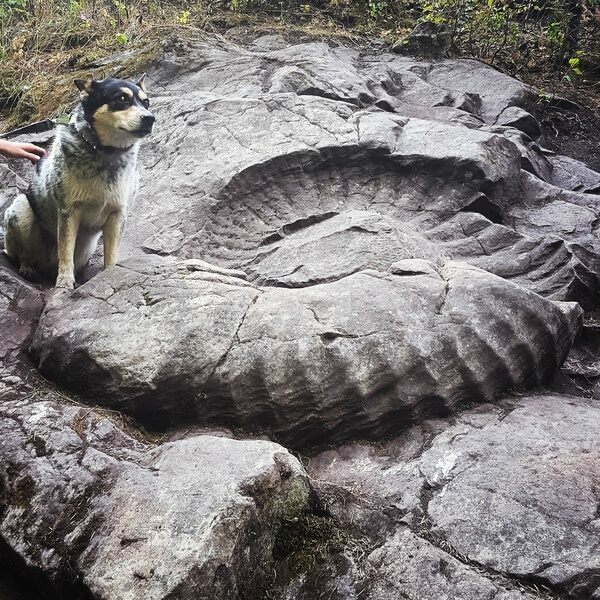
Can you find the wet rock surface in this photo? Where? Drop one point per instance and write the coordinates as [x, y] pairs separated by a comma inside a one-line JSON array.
[[328, 246]]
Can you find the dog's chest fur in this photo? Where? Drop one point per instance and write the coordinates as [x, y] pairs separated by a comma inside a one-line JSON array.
[[75, 174], [99, 190]]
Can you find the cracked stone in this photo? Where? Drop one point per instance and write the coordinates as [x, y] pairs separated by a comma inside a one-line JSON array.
[[104, 514], [361, 356]]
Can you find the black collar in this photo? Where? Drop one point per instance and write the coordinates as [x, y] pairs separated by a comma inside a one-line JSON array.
[[89, 135]]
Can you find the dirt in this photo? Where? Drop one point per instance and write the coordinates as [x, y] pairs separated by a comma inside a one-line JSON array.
[[570, 128]]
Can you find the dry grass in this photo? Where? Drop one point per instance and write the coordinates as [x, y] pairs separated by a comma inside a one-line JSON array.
[[45, 45], [45, 49], [48, 44]]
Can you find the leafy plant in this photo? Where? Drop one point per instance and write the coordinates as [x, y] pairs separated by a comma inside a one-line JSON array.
[[575, 65]]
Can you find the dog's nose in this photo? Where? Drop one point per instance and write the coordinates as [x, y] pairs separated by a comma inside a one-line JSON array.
[[148, 120]]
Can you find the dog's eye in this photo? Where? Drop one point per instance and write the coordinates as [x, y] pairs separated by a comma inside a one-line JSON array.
[[122, 98], [146, 102]]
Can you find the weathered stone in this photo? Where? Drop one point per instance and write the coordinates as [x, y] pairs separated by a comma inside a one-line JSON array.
[[571, 174], [274, 120], [531, 503], [516, 117], [337, 72], [284, 147], [510, 491], [103, 514], [360, 356], [407, 566], [90, 511], [20, 306], [494, 91]]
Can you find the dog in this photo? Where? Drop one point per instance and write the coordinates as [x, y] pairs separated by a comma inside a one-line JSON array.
[[83, 187]]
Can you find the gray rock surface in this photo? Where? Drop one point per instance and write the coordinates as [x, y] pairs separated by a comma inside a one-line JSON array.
[[361, 356], [328, 245], [572, 174], [554, 536], [295, 140], [504, 495], [408, 566], [92, 510], [102, 513], [21, 304], [520, 119]]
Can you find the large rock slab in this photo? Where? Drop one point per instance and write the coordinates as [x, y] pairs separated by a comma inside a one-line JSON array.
[[407, 566], [571, 174], [100, 514], [532, 503], [505, 494], [340, 73], [295, 136], [361, 356]]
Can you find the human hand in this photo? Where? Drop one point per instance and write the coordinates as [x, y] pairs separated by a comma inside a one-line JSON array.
[[17, 150]]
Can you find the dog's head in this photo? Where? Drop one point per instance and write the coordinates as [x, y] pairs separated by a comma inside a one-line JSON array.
[[118, 110]]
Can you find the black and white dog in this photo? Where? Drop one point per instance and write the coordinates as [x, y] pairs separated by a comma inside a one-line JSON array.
[[83, 187]]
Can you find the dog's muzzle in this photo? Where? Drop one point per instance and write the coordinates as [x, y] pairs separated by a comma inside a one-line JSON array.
[[146, 125]]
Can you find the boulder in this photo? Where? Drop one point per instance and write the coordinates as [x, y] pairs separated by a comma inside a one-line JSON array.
[[520, 119], [90, 508], [101, 514], [571, 174], [360, 356], [503, 497]]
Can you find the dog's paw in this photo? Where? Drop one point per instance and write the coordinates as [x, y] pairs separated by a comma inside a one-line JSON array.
[[65, 281]]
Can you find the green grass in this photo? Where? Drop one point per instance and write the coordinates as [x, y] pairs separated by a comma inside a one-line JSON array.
[[45, 45]]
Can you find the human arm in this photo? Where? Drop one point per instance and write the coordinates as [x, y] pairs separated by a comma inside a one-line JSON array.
[[31, 152]]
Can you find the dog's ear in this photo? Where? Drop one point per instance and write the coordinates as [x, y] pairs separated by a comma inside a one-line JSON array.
[[141, 83], [86, 87]]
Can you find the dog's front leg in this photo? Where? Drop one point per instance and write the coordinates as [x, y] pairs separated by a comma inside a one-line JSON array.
[[68, 226], [111, 236]]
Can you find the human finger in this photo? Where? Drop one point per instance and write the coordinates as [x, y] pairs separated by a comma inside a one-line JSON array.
[[33, 158], [33, 149]]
